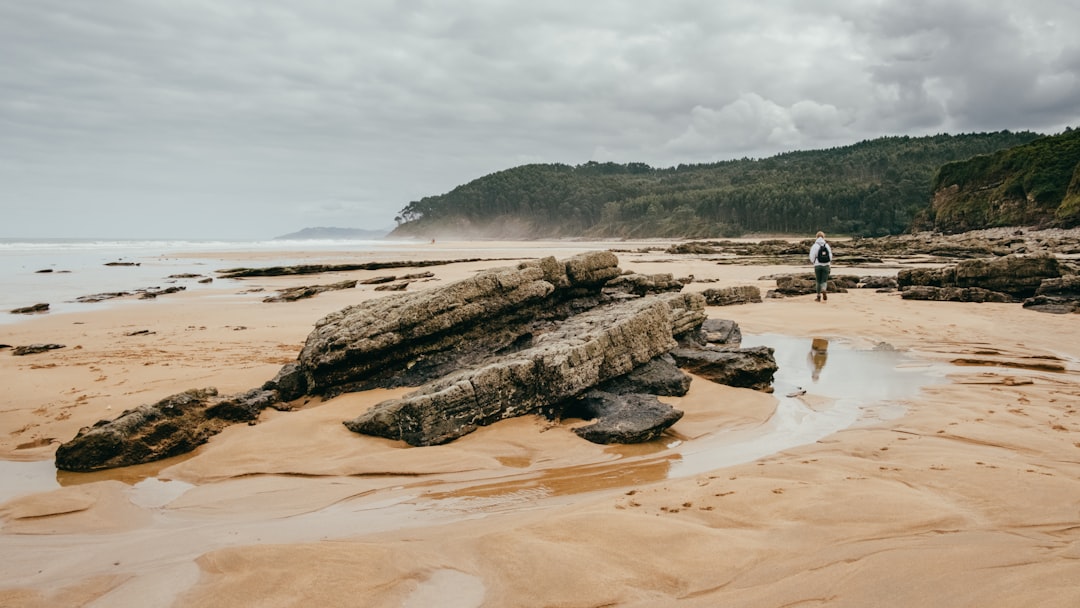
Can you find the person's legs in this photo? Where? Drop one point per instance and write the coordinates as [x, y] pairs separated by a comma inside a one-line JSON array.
[[821, 275]]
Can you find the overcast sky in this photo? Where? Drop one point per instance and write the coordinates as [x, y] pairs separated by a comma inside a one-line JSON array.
[[254, 118]]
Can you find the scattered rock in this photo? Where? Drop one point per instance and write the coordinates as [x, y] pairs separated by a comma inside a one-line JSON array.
[[728, 296], [954, 294], [33, 349], [394, 287], [29, 310], [644, 284], [299, 293], [122, 263], [1018, 276]]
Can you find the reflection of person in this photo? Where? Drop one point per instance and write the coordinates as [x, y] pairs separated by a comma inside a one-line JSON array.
[[821, 257], [816, 358]]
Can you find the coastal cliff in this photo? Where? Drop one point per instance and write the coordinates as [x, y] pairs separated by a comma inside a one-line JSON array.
[[1036, 184]]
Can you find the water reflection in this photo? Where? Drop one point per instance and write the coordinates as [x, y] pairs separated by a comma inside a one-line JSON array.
[[817, 357]]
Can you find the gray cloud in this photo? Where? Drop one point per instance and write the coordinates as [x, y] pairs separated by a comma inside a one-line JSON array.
[[254, 118]]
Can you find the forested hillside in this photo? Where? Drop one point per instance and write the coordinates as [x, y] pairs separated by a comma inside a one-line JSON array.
[[874, 187], [1033, 184]]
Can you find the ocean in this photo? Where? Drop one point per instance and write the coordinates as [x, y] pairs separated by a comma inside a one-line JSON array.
[[57, 271]]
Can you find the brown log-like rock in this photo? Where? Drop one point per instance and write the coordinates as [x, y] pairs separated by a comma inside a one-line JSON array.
[[175, 425], [298, 293], [29, 310], [33, 349]]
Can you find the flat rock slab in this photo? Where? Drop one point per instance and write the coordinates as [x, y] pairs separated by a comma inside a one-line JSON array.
[[745, 367], [633, 418]]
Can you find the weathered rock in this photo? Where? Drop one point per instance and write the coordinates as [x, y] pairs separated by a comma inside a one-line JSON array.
[[721, 332], [877, 282], [728, 296], [584, 351], [379, 280], [954, 294], [149, 294], [33, 349], [410, 339], [299, 293], [290, 382], [644, 284], [632, 418], [747, 367], [101, 297], [29, 310], [277, 271], [1053, 304], [393, 287], [172, 426], [1018, 276]]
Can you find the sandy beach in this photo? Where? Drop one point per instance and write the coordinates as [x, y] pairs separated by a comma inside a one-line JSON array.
[[958, 486]]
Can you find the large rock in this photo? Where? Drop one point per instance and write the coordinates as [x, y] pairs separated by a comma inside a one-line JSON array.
[[175, 425], [584, 351], [1018, 276], [410, 339], [1059, 296]]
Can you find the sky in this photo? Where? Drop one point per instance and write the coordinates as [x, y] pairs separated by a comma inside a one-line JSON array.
[[249, 119]]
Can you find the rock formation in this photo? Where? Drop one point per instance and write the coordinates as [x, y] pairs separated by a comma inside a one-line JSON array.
[[546, 337], [1017, 276]]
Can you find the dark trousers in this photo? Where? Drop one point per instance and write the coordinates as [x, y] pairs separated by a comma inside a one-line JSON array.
[[821, 274]]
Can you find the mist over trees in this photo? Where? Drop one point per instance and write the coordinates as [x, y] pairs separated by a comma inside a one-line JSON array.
[[872, 188]]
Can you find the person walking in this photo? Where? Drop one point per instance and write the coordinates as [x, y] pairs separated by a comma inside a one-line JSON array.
[[821, 257]]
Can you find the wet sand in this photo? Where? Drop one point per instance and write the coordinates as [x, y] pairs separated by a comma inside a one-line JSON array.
[[963, 490]]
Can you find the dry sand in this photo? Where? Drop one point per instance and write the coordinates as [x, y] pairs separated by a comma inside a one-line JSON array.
[[970, 497]]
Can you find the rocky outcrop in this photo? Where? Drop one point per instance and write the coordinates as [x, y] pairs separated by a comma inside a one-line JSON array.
[[532, 338], [954, 294], [728, 296], [805, 284], [1018, 276], [721, 332], [410, 339], [278, 271], [175, 425], [581, 353]]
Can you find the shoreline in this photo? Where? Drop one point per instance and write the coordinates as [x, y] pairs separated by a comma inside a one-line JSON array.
[[967, 491]]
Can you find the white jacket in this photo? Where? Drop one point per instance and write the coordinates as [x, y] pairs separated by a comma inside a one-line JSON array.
[[818, 244]]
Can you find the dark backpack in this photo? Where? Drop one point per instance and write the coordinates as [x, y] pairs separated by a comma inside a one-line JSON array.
[[823, 254]]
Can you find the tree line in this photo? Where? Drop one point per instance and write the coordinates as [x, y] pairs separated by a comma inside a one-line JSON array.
[[871, 188]]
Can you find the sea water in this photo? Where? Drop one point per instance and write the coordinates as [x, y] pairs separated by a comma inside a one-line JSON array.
[[57, 271]]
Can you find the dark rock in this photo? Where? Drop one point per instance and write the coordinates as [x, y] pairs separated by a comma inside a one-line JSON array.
[[28, 310], [100, 297], [290, 382], [632, 418], [747, 367], [175, 425], [34, 349], [206, 280], [1053, 304], [659, 376], [150, 294], [121, 263], [185, 275], [394, 287], [728, 296], [1066, 287], [692, 247], [299, 293], [43, 271], [954, 294], [139, 332], [379, 280], [277, 271]]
